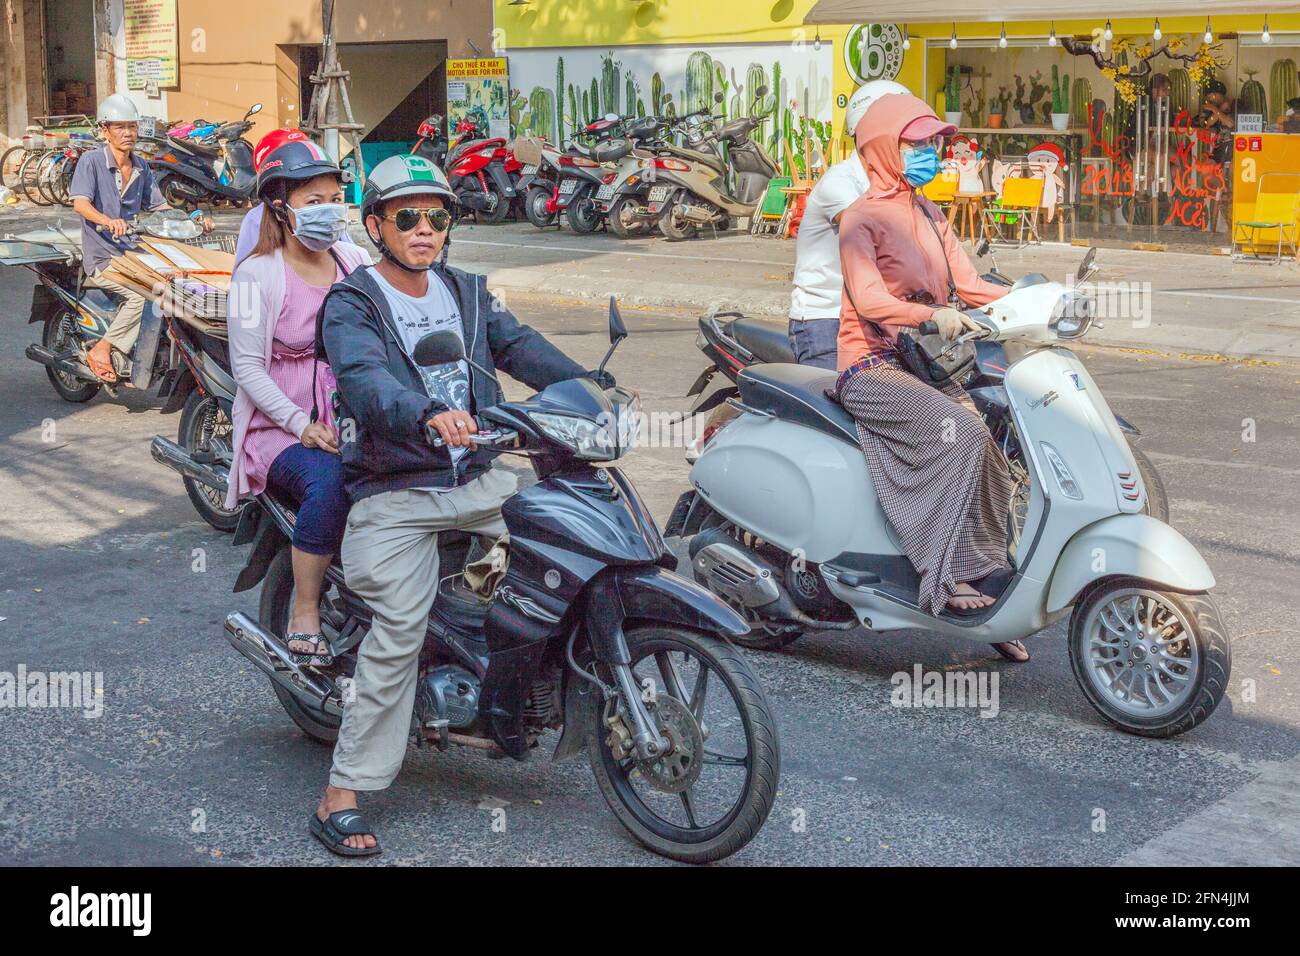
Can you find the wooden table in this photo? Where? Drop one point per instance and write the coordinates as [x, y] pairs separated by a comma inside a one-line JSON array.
[[966, 214]]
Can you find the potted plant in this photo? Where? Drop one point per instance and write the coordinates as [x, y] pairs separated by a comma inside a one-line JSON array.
[[952, 97], [998, 108], [1060, 100]]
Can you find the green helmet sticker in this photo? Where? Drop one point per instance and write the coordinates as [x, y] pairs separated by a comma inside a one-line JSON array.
[[419, 168]]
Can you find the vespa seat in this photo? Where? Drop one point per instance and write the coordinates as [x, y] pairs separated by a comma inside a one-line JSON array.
[[797, 393]]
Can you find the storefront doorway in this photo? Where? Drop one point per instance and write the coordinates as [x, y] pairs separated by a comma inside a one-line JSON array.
[[69, 27]]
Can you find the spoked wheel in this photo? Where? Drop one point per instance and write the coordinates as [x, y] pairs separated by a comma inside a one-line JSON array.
[[1154, 662], [10, 162], [276, 606], [46, 173], [206, 433], [28, 182], [535, 208], [58, 337], [709, 793]]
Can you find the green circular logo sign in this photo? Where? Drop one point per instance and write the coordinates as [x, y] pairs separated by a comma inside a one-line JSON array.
[[873, 51]]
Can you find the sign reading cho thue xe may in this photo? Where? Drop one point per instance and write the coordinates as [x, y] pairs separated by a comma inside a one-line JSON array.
[[482, 88], [151, 43]]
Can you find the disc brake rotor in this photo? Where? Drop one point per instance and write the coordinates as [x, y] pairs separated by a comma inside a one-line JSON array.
[[677, 769]]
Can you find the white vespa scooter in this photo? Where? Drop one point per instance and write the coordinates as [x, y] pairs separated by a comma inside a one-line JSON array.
[[786, 527]]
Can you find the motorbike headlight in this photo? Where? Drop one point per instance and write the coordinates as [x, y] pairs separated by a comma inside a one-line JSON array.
[[590, 440], [1073, 315], [1064, 477]]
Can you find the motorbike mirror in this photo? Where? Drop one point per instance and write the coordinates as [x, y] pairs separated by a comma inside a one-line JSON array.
[[1087, 266], [255, 108], [982, 248], [439, 348], [617, 331], [761, 91], [718, 97]]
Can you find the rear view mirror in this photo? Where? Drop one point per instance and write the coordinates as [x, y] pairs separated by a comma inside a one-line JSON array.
[[982, 249], [617, 330], [256, 108], [1088, 266], [439, 348], [718, 97]]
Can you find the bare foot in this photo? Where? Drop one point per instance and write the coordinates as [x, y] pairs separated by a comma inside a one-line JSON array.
[[967, 598], [336, 799]]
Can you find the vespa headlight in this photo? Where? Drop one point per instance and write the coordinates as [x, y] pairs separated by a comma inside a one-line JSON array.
[[1073, 315]]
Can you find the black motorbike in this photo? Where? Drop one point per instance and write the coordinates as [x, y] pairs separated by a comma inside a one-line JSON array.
[[588, 632], [191, 172]]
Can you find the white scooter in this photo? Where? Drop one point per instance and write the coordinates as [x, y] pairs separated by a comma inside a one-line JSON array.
[[786, 527]]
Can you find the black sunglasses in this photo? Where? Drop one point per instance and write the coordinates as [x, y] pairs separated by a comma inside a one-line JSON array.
[[407, 219]]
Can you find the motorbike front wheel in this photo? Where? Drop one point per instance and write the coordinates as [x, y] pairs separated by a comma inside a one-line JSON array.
[[206, 434], [535, 208], [708, 795], [1153, 662]]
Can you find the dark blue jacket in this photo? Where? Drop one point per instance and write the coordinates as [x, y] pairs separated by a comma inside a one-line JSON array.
[[383, 404]]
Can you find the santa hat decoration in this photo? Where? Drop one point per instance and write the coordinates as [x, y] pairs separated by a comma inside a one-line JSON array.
[[1051, 148]]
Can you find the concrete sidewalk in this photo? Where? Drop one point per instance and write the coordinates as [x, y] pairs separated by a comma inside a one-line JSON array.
[[1171, 302]]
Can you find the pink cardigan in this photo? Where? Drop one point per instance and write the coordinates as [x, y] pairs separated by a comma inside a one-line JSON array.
[[252, 311]]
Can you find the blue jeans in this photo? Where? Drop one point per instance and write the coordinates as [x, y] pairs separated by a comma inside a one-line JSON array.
[[815, 341], [313, 478]]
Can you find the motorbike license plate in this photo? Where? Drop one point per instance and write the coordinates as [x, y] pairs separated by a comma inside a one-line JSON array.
[[606, 192], [568, 186], [530, 170], [658, 193]]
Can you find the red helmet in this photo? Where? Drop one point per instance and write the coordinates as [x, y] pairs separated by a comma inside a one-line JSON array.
[[273, 141]]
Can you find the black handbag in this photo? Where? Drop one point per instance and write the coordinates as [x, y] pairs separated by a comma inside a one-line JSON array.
[[932, 358]]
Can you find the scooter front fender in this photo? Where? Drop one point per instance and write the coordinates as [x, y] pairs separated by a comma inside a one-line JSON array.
[[1127, 545]]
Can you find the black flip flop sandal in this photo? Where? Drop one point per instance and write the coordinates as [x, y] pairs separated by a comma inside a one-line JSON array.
[[309, 660], [340, 825]]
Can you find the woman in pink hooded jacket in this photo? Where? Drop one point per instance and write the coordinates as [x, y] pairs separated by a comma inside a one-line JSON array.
[[942, 482]]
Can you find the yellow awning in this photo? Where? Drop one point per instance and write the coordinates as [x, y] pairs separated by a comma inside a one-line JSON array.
[[965, 11]]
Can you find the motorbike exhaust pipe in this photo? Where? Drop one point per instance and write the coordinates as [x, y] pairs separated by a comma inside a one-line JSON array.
[[174, 456], [694, 214], [274, 660], [60, 363]]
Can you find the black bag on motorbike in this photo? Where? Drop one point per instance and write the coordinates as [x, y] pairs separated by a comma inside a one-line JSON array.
[[932, 358]]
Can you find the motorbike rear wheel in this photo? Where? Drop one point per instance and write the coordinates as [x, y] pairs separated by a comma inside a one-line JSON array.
[[673, 227], [582, 214], [663, 802], [205, 430], [499, 211], [535, 208], [621, 223], [57, 336]]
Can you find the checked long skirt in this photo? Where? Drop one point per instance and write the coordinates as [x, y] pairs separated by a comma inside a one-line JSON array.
[[943, 483]]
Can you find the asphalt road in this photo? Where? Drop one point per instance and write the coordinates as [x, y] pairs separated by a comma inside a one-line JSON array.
[[104, 566]]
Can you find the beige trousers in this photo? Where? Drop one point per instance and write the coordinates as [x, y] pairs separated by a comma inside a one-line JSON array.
[[390, 558], [125, 327]]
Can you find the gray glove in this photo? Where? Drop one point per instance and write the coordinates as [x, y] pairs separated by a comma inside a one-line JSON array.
[[953, 322]]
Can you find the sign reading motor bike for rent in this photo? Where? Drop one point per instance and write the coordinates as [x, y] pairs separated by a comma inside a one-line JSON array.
[[152, 50], [482, 88]]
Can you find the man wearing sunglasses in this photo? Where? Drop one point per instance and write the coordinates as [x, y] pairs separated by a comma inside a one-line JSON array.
[[404, 491]]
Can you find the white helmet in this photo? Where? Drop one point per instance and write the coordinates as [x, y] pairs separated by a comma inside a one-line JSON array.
[[863, 97], [118, 108]]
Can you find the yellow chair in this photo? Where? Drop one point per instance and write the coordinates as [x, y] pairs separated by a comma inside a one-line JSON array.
[[941, 189], [1274, 223], [1019, 205]]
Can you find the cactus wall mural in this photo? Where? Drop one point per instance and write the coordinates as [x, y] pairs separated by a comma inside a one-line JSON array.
[[558, 92]]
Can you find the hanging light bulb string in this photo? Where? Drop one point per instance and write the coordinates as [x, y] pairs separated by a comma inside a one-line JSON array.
[[1209, 33], [907, 40], [1156, 34], [1051, 37], [952, 44], [1266, 37], [1002, 40]]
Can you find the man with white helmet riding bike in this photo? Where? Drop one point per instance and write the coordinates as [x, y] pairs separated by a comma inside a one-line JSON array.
[[403, 490], [818, 281], [109, 188]]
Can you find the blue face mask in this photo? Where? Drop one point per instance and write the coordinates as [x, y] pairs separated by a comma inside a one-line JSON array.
[[920, 166]]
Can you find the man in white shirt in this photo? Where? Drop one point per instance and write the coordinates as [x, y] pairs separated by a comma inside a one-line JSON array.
[[818, 281]]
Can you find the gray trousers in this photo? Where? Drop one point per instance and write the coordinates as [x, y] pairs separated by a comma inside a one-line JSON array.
[[390, 558], [125, 327]]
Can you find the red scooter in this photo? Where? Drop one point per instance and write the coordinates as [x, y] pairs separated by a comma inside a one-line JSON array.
[[483, 171]]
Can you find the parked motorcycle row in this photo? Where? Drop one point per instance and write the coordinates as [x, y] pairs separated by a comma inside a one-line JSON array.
[[683, 176], [594, 630]]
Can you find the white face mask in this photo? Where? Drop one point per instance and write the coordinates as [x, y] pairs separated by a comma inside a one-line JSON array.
[[319, 227]]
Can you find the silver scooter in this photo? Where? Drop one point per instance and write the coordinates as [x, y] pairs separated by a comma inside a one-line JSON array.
[[785, 525]]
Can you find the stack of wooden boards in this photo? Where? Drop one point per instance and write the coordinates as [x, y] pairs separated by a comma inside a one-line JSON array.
[[187, 281]]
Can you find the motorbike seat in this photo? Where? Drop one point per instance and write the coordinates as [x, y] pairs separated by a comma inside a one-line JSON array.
[[797, 393], [765, 341], [195, 146]]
